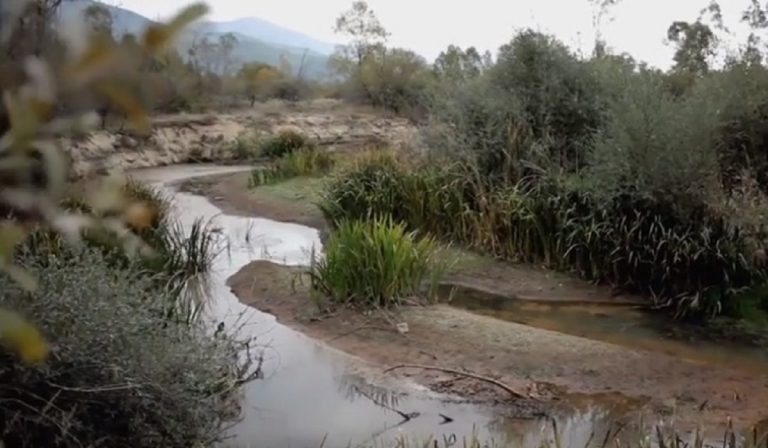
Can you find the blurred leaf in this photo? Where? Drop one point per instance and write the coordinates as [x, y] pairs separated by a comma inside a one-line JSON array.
[[23, 338], [129, 104], [158, 37]]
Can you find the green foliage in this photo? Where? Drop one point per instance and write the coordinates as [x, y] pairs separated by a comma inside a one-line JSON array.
[[538, 104], [307, 161], [245, 148], [654, 145], [392, 78], [456, 65], [375, 263], [121, 374], [691, 260], [285, 142], [695, 46]]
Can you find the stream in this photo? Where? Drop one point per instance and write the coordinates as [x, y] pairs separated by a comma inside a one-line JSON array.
[[312, 395]]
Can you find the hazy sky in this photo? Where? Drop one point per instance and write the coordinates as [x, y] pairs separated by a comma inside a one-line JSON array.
[[428, 26]]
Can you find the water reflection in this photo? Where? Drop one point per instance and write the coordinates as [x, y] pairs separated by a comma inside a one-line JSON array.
[[622, 325]]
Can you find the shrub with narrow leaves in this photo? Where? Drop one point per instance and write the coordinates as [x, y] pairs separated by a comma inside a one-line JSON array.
[[375, 263]]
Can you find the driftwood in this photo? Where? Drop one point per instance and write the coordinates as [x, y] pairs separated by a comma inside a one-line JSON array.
[[499, 384]]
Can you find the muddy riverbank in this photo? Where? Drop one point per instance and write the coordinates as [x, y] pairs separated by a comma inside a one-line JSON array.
[[550, 366]]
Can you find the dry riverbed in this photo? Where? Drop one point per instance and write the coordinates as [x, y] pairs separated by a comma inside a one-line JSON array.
[[548, 366]]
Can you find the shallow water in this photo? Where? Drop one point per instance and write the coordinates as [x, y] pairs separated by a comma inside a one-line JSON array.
[[309, 392], [617, 324]]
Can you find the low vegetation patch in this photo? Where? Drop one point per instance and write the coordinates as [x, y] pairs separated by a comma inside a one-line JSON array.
[[375, 263], [307, 161], [285, 142]]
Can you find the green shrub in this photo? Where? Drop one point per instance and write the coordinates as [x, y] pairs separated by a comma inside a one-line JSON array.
[[120, 374], [657, 146], [369, 189], [285, 142], [375, 263], [307, 161], [243, 148]]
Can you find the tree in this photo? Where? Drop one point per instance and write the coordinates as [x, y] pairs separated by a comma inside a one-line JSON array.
[[363, 29], [457, 65], [366, 35], [756, 18], [214, 56], [395, 78], [696, 44], [258, 80], [99, 19]]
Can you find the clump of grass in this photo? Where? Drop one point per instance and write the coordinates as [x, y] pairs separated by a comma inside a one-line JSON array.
[[285, 142], [375, 263], [181, 266], [307, 161]]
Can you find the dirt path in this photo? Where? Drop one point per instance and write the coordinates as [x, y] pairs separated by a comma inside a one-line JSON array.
[[548, 365]]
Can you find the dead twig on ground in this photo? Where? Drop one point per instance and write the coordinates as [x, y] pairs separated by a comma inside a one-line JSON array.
[[499, 384]]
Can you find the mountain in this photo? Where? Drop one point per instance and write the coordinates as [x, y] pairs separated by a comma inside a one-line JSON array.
[[123, 20], [263, 30], [277, 42]]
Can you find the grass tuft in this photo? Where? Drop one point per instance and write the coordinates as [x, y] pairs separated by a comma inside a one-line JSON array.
[[375, 263]]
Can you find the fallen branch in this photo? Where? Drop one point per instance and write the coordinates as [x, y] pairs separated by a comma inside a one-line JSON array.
[[496, 383]]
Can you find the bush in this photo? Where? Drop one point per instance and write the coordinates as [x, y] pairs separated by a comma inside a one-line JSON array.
[[374, 263], [373, 187], [539, 101], [120, 373], [244, 148], [657, 146], [285, 142]]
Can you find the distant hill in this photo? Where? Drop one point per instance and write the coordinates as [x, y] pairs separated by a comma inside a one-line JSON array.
[[296, 47], [263, 30], [124, 21]]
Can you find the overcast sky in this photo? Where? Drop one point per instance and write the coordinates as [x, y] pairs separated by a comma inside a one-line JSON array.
[[428, 26]]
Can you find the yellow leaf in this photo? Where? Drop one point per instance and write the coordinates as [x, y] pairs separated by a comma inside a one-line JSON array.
[[140, 215], [158, 37], [21, 276], [129, 104], [109, 197], [11, 234], [22, 118], [23, 338], [99, 56]]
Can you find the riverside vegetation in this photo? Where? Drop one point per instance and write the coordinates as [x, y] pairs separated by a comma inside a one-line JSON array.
[[650, 181]]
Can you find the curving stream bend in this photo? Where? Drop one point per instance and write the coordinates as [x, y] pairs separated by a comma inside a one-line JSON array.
[[310, 392]]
